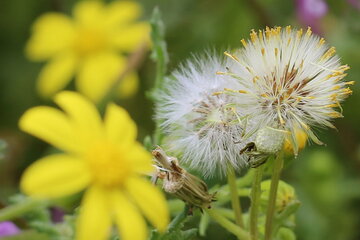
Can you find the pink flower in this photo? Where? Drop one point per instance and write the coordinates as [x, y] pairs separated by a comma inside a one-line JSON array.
[[354, 3], [8, 229], [309, 12]]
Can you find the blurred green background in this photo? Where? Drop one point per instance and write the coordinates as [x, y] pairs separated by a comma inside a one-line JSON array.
[[326, 179]]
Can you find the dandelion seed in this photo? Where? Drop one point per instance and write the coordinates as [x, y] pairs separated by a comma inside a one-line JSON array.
[[200, 122], [298, 81]]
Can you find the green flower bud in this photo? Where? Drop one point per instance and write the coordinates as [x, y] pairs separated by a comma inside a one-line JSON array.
[[285, 195], [285, 234], [269, 140]]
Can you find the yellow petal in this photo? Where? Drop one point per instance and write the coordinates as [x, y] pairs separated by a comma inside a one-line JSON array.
[[140, 158], [94, 221], [300, 137], [128, 85], [50, 125], [130, 37], [154, 207], [89, 13], [119, 126], [52, 33], [98, 73], [84, 116], [55, 176], [130, 223], [56, 74], [120, 12]]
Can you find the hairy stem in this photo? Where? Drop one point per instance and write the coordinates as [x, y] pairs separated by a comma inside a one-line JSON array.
[[239, 232], [20, 209], [235, 201], [160, 56], [179, 219], [255, 202], [278, 164]]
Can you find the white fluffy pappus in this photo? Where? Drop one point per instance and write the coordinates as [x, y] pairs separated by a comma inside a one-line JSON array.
[[290, 80], [201, 126]]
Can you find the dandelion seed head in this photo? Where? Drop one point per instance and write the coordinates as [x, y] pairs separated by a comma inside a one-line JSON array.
[[198, 119], [290, 79]]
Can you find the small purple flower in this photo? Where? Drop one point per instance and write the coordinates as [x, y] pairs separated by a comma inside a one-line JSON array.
[[8, 229], [57, 214], [309, 12]]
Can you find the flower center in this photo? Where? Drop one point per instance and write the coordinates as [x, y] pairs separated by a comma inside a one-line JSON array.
[[212, 113], [108, 164], [89, 41]]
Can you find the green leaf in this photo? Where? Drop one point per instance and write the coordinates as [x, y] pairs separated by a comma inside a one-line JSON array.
[[181, 235], [28, 235], [289, 210], [175, 231], [22, 205]]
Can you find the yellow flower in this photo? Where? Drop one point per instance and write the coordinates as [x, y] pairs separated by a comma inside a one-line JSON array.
[[89, 46], [101, 157]]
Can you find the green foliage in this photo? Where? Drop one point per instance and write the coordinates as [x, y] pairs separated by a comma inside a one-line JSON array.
[[3, 146], [325, 192], [28, 235], [327, 181], [285, 234], [175, 229]]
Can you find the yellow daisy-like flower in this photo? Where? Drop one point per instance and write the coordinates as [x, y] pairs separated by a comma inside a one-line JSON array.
[[101, 157], [88, 47]]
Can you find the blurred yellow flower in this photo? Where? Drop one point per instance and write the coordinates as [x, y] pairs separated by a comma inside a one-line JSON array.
[[89, 46], [101, 157]]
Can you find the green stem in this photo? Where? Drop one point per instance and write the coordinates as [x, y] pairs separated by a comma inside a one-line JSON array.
[[159, 53], [255, 202], [239, 232], [235, 201], [160, 56], [20, 209], [278, 164], [179, 219]]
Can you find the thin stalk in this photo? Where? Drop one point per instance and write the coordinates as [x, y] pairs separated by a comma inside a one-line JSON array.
[[239, 232], [235, 201], [278, 164], [255, 202], [176, 224], [160, 56], [19, 209], [179, 219]]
